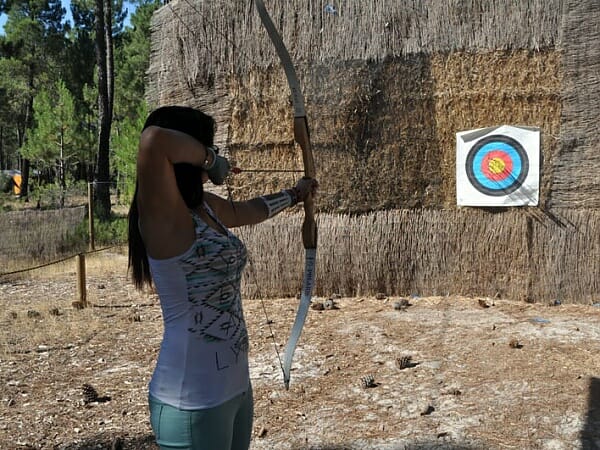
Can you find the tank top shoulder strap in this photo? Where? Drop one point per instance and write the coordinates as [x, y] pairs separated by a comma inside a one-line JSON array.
[[199, 224]]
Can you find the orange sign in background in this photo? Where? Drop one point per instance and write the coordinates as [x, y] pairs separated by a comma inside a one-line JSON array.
[[17, 184]]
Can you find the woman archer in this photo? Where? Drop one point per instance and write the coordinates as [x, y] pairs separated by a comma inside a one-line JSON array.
[[180, 242]]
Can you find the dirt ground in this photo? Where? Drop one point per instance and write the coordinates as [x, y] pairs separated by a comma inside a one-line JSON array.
[[481, 374]]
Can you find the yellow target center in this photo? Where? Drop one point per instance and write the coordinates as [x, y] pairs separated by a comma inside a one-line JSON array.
[[496, 166]]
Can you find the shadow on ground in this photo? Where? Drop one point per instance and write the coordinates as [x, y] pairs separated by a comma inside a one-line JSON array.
[[108, 442], [590, 435], [425, 445]]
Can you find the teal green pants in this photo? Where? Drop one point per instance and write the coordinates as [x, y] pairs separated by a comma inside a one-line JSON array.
[[224, 427]]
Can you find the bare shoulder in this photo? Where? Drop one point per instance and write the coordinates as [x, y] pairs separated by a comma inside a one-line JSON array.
[[151, 137], [220, 206]]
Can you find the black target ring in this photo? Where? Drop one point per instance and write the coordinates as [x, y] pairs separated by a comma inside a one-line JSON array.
[[509, 161]]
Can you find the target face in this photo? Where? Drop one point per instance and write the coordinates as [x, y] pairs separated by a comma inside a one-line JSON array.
[[497, 165]]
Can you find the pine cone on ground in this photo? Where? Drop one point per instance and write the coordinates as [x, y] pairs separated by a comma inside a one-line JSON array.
[[32, 314], [368, 382], [404, 362], [89, 394]]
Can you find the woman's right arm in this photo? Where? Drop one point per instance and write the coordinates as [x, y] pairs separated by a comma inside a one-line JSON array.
[[165, 223]]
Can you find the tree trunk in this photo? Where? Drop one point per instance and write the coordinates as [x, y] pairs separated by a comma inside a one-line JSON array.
[[28, 125], [110, 65], [62, 175], [3, 163], [105, 81], [25, 180]]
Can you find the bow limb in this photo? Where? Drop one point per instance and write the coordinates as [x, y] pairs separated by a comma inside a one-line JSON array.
[[309, 226]]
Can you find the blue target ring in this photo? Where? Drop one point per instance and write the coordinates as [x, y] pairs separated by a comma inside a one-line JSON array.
[[497, 165]]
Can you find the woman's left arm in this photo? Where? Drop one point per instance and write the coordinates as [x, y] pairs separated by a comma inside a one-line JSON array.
[[259, 209]]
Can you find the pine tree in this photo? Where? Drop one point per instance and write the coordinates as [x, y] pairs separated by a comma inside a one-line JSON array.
[[53, 142], [34, 33]]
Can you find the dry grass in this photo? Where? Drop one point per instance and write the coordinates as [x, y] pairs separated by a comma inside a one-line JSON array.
[[32, 235], [56, 323], [384, 134], [469, 388], [387, 86], [577, 184]]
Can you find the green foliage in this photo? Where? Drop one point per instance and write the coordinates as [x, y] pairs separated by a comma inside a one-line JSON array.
[[5, 182], [125, 144], [48, 82], [49, 195], [53, 143], [7, 202], [80, 56], [88, 130], [112, 231], [52, 195], [35, 32], [132, 59], [54, 135], [106, 232], [14, 95], [31, 51]]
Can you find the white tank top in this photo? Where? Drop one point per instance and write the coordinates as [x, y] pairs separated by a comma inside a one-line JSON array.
[[203, 358]]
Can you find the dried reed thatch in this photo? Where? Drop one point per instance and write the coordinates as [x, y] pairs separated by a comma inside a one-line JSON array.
[[577, 180], [434, 252], [207, 39], [387, 86]]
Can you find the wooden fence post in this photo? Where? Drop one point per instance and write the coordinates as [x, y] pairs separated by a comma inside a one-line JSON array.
[[81, 282], [91, 216]]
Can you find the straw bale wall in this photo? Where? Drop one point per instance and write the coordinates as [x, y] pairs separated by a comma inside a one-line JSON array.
[[382, 114], [387, 85]]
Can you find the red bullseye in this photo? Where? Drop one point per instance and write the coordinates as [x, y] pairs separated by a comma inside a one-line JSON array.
[[497, 165]]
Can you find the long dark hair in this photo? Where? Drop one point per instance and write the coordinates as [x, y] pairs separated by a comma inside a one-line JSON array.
[[198, 125]]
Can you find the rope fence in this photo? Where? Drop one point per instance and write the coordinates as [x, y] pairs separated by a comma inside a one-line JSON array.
[[51, 237], [81, 301], [56, 261]]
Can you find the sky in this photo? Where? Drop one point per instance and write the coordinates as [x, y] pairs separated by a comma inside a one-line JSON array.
[[66, 4]]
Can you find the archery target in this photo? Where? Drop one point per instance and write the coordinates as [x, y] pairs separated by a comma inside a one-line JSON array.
[[498, 166]]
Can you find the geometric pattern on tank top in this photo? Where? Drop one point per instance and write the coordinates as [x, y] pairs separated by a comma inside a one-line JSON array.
[[213, 275]]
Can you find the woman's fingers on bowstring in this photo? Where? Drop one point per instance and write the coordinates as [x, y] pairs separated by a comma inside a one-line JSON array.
[[314, 188], [307, 186]]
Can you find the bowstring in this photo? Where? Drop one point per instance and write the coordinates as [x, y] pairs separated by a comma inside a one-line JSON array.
[[227, 185], [264, 308]]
